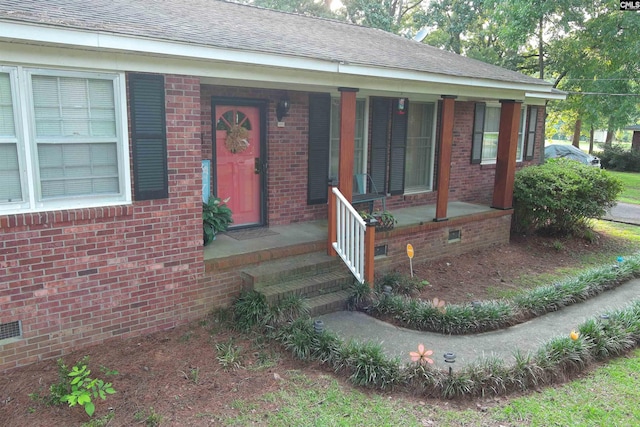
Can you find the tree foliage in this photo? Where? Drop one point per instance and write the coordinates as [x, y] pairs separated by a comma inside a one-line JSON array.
[[587, 48]]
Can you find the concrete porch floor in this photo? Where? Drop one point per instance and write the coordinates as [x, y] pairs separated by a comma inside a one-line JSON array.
[[316, 231]]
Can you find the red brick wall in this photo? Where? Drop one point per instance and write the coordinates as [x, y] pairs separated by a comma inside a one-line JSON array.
[[468, 182], [431, 240], [80, 277], [287, 149], [287, 157]]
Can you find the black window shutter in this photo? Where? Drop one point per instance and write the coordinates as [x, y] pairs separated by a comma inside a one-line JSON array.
[[399, 124], [379, 138], [436, 164], [532, 125], [148, 136], [478, 132], [319, 138]]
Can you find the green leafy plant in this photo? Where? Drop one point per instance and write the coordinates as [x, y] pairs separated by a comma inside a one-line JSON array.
[[360, 296], [386, 220], [216, 217], [84, 389], [229, 355], [401, 283], [288, 309], [558, 197], [615, 157], [250, 309]]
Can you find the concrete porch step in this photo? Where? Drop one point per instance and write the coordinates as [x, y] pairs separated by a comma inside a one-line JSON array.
[[322, 279], [328, 303], [277, 271], [308, 286]]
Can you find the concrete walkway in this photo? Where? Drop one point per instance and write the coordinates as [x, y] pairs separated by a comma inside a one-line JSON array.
[[624, 212], [527, 336]]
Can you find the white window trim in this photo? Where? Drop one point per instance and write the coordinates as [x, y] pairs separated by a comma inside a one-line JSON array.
[[19, 140], [24, 114], [427, 188], [523, 125]]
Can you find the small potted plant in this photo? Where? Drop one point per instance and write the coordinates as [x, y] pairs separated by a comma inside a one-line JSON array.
[[386, 221], [216, 217]]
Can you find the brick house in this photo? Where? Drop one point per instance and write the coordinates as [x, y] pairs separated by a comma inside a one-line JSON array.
[[109, 111]]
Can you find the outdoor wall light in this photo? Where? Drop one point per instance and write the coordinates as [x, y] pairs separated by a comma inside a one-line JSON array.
[[282, 108]]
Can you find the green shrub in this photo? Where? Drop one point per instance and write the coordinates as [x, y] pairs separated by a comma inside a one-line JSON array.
[[616, 158], [250, 310], [560, 196]]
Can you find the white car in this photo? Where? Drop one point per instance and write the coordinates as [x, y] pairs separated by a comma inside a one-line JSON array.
[[570, 152]]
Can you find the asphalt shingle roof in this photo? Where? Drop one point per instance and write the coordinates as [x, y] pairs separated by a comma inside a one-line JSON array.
[[220, 24]]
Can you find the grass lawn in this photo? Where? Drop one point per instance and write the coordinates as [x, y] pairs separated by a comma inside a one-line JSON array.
[[631, 191], [606, 396]]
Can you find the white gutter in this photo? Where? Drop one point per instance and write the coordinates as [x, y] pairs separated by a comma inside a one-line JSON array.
[[102, 41], [554, 95]]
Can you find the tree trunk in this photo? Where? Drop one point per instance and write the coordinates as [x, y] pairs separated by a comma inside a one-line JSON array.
[[576, 133], [541, 48], [609, 140], [591, 140]]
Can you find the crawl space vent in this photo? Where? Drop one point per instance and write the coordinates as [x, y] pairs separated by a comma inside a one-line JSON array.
[[10, 330], [454, 236]]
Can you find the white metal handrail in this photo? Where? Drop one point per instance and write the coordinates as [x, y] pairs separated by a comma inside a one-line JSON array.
[[350, 231]]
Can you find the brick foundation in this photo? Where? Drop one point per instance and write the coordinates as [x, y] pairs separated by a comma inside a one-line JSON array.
[[431, 240]]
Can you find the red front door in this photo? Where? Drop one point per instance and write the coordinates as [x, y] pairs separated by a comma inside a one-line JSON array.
[[238, 163]]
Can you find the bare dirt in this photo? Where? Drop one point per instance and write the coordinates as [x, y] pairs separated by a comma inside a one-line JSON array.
[[176, 374]]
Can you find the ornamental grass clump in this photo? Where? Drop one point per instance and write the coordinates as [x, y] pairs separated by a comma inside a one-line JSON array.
[[484, 316], [298, 338], [368, 366]]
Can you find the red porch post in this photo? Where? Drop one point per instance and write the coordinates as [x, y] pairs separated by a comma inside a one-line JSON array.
[[507, 148], [331, 221], [347, 140], [444, 157], [369, 252]]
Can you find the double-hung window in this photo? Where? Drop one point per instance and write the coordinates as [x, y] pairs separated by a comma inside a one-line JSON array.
[[62, 140], [359, 155], [11, 189], [487, 131], [420, 147]]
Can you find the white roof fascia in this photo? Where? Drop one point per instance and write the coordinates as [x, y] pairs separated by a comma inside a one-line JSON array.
[[115, 42], [232, 74], [555, 95]]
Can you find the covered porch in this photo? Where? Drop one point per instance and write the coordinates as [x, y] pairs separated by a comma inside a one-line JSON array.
[[414, 224]]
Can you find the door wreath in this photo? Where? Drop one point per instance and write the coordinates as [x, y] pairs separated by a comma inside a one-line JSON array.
[[237, 139], [237, 125]]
